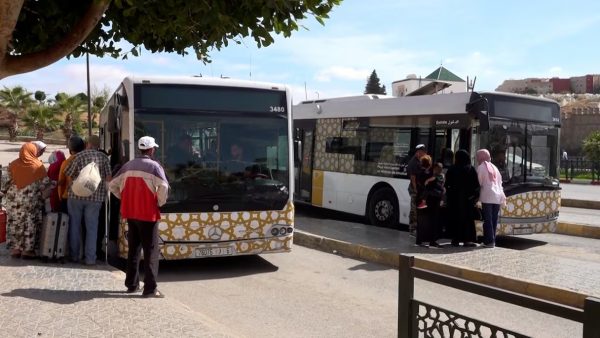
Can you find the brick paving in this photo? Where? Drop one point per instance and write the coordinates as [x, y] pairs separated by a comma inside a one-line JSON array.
[[70, 300]]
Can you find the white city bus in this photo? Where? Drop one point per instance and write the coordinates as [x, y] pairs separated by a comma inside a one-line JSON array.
[[225, 147], [352, 152]]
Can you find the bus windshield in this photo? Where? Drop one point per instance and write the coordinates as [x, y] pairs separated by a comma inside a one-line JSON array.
[[220, 162], [523, 151]]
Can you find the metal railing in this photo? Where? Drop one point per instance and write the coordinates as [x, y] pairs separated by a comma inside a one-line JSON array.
[[418, 319], [580, 168]]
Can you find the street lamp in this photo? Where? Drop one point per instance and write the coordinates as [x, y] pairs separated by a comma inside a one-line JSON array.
[[318, 96]]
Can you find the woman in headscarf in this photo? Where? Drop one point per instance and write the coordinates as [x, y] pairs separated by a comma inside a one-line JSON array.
[[462, 191], [491, 196], [40, 146], [26, 180], [56, 159], [76, 145]]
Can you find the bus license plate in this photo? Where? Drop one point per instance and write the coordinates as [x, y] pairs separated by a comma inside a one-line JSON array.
[[522, 231], [215, 251]]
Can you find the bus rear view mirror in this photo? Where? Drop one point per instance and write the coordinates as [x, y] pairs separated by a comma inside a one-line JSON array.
[[479, 108]]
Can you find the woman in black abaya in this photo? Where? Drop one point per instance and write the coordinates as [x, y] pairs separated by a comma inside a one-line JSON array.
[[462, 191]]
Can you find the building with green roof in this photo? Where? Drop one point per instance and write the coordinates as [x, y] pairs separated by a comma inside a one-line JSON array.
[[439, 81]]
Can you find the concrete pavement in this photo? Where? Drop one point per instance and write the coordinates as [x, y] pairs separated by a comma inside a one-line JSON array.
[[71, 300], [580, 210], [564, 280]]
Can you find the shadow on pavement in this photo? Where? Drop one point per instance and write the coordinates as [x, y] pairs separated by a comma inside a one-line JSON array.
[[518, 243], [312, 211], [370, 267], [322, 213], [213, 268], [67, 296]]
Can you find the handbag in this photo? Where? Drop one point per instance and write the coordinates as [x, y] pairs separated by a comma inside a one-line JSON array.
[[477, 214]]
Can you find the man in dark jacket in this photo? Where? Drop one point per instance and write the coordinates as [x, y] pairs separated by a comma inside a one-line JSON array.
[[413, 168]]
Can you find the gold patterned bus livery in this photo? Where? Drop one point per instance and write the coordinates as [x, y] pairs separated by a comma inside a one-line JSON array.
[[528, 212], [214, 234]]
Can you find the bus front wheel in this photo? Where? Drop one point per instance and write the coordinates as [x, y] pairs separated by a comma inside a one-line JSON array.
[[383, 208]]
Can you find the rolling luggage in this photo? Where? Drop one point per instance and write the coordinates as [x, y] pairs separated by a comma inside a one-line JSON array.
[[53, 242]]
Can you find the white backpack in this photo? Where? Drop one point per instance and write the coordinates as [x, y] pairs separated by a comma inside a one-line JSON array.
[[88, 181]]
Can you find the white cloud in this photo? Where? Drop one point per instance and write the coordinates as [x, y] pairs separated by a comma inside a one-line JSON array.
[[342, 73], [555, 71]]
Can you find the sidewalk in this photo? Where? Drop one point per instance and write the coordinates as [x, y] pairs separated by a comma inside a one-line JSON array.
[[71, 300], [563, 280]]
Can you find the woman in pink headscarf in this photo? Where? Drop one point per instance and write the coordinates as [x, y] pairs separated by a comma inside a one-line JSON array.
[[491, 196]]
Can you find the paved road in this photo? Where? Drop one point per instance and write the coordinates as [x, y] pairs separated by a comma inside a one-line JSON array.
[[580, 216], [581, 192], [308, 293]]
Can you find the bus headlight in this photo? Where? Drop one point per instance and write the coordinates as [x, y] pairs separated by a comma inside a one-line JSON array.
[[281, 230]]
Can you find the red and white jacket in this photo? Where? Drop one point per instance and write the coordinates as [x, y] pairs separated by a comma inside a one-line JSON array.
[[142, 186]]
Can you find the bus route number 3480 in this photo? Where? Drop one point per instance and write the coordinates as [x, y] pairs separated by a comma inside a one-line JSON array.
[[276, 109]]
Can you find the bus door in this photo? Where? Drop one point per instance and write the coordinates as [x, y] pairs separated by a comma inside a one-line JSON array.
[[303, 161], [113, 143]]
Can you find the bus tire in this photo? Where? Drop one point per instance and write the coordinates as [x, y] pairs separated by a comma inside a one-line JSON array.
[[383, 208]]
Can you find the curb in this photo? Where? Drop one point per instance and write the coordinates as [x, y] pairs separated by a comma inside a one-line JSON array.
[[391, 259], [347, 249], [582, 204], [579, 230], [549, 293]]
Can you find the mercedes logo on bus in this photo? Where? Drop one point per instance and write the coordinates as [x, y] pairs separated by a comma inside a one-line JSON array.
[[215, 233]]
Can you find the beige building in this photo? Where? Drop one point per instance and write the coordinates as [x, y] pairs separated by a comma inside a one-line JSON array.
[[577, 84], [526, 86], [440, 81]]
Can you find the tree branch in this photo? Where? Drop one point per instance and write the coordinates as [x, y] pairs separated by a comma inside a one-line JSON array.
[[9, 14], [18, 64]]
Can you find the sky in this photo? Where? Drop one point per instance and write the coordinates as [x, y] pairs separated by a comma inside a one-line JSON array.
[[489, 40]]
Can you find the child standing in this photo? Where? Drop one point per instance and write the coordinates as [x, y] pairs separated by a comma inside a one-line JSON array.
[[434, 186]]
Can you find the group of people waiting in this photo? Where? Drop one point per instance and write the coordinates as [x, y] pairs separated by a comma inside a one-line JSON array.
[[31, 191], [465, 191], [141, 185]]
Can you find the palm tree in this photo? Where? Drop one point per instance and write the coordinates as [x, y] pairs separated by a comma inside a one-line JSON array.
[[42, 118], [72, 107], [16, 100], [99, 99]]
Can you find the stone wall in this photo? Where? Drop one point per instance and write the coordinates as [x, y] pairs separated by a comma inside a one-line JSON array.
[[577, 124]]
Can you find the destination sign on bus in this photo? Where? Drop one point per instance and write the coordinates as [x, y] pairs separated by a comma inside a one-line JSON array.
[[209, 98]]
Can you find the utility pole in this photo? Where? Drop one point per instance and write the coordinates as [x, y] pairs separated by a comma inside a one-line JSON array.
[[89, 99]]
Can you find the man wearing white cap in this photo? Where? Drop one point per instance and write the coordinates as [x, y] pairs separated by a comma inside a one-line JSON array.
[[412, 169], [142, 186]]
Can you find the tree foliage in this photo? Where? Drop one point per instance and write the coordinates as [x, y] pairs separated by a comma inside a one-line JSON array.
[[72, 108], [42, 118], [374, 85], [45, 31], [591, 146], [16, 100]]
